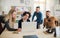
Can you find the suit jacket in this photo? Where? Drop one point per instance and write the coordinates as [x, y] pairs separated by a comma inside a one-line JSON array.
[[20, 23]]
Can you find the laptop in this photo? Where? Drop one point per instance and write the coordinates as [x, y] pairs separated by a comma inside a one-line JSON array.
[[30, 36], [29, 26]]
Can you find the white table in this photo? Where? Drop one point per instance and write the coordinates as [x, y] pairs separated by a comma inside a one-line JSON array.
[[39, 33]]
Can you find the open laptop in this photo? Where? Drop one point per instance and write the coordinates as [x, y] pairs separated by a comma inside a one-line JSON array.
[[28, 26]]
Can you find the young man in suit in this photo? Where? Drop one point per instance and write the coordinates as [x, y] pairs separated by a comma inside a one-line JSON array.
[[25, 18]]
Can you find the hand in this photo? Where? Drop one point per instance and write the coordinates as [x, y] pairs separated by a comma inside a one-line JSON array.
[[19, 29]]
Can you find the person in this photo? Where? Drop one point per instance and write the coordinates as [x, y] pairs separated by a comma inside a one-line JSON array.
[[46, 19], [3, 13], [51, 23], [5, 21], [26, 15], [39, 16], [12, 16], [1, 20]]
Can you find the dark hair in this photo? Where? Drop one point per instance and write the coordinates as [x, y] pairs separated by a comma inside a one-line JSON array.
[[48, 11], [38, 7], [27, 13]]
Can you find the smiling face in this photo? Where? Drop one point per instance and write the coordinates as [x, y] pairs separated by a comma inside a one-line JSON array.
[[48, 14], [37, 9], [25, 17]]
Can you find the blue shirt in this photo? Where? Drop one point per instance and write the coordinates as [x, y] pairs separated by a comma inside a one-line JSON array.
[[38, 15]]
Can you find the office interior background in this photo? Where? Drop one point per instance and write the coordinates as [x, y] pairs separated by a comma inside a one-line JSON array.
[[30, 5]]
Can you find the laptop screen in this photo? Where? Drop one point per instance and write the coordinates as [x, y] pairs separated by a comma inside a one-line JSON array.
[[28, 26]]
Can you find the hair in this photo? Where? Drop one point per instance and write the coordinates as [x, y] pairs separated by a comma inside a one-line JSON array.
[[48, 11], [27, 13], [6, 17], [38, 7], [11, 11]]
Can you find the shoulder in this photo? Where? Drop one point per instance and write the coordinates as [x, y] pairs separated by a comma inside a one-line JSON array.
[[20, 20], [28, 20], [40, 12], [35, 12], [54, 18]]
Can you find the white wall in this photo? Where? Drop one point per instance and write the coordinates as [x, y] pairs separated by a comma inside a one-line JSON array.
[[50, 5], [6, 4], [0, 3]]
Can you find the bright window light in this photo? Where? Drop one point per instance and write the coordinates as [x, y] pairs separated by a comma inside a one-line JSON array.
[[36, 0], [42, 0]]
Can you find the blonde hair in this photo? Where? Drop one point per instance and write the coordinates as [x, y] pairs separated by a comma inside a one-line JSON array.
[[6, 17]]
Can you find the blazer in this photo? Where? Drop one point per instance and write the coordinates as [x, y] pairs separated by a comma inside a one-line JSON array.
[[20, 23]]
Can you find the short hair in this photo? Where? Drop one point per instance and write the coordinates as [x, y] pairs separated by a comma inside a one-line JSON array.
[[27, 13], [38, 7], [48, 11]]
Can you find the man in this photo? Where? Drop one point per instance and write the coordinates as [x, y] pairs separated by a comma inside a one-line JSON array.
[[50, 22], [46, 19], [39, 16], [3, 13], [25, 18]]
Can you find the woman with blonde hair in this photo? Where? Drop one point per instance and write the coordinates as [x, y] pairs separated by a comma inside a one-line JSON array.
[[12, 16], [6, 24]]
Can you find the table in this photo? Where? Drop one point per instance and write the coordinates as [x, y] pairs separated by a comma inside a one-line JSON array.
[[39, 33]]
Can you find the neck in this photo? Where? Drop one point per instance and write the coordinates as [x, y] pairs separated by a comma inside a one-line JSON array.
[[24, 19]]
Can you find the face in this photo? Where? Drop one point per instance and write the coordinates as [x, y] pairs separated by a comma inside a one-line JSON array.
[[48, 14], [26, 16], [37, 9]]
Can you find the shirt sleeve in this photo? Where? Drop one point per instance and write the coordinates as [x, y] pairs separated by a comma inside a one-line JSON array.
[[19, 24], [33, 16], [41, 16]]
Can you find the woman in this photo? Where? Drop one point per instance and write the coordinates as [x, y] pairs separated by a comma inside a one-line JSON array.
[[25, 18], [12, 16], [5, 21]]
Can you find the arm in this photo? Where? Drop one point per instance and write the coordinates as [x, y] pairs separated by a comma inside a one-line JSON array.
[[44, 24], [56, 21], [19, 24], [33, 16], [41, 16]]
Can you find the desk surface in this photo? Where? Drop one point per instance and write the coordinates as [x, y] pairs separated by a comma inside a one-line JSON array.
[[39, 33]]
